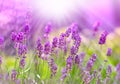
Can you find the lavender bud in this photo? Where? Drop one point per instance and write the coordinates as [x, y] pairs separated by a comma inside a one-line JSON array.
[[102, 39], [109, 52], [26, 29], [20, 37], [22, 63], [91, 62], [13, 75], [55, 42], [69, 63], [47, 48]]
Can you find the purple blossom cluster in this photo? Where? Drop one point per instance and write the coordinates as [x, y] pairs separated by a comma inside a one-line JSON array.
[[103, 36], [49, 52], [91, 62]]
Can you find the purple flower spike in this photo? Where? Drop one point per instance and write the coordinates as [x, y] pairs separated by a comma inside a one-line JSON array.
[[20, 37], [69, 63], [77, 59], [103, 36], [47, 48], [14, 36], [62, 41], [96, 25], [68, 32], [73, 50], [118, 68], [22, 62], [55, 42], [13, 75], [26, 28], [39, 48], [64, 74], [22, 49], [1, 40], [54, 69], [91, 62], [109, 70], [109, 52], [48, 28]]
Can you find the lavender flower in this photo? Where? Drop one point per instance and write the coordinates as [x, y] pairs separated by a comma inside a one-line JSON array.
[[26, 29], [69, 63], [109, 52], [22, 49], [55, 42], [103, 36], [68, 32], [118, 72], [20, 37], [1, 40], [109, 70], [0, 60], [118, 68], [48, 28], [73, 50], [53, 69], [14, 75], [51, 62], [64, 74], [90, 63], [14, 36], [22, 62], [77, 59], [62, 41], [96, 25], [47, 48], [39, 48]]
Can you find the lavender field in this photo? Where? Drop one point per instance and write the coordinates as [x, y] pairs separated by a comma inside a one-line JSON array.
[[59, 42]]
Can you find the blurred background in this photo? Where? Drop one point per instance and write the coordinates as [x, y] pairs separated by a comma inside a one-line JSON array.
[[14, 14]]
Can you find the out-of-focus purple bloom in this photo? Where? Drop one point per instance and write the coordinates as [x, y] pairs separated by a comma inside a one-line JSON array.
[[103, 36], [22, 62], [77, 59], [86, 77], [14, 36], [68, 32], [109, 52], [73, 50], [91, 61], [109, 70], [64, 74], [0, 60], [81, 57], [39, 48], [22, 49], [20, 37], [51, 62], [48, 28], [53, 69], [55, 42], [118, 68], [47, 48], [26, 29], [96, 25], [14, 75], [69, 63], [18, 81], [1, 40], [62, 41], [6, 77]]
